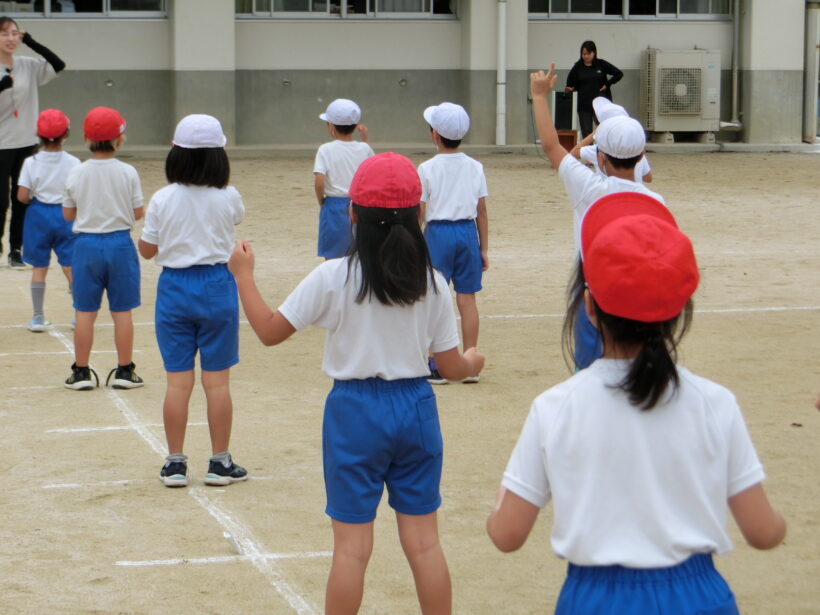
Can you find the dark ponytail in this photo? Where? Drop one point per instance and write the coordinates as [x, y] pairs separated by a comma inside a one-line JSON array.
[[654, 368], [392, 253], [575, 300]]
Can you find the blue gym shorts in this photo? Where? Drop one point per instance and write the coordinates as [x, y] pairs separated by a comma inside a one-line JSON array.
[[454, 251], [335, 233], [378, 432], [693, 587], [105, 262], [197, 309], [587, 342], [45, 230]]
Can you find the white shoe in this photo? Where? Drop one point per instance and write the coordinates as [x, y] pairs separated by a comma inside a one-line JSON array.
[[38, 324], [471, 379]]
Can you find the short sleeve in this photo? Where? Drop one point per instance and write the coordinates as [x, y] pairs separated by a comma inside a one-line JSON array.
[[745, 469], [444, 329], [482, 190], [150, 229], [310, 301], [589, 153], [320, 165], [68, 196], [44, 72], [526, 473], [136, 190], [25, 175], [425, 184], [578, 181], [237, 204]]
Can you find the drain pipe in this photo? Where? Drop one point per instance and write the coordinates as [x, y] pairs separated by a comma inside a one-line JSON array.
[[735, 123], [812, 60], [501, 77]]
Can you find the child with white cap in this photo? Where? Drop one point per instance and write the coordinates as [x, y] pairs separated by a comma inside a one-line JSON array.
[[103, 197], [639, 456], [621, 141], [41, 184], [333, 169], [189, 228], [453, 202], [587, 153], [384, 307]]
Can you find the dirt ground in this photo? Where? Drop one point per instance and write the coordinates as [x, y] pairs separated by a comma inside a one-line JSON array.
[[89, 529]]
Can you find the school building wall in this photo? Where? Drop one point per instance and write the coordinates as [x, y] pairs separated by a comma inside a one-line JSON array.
[[267, 80]]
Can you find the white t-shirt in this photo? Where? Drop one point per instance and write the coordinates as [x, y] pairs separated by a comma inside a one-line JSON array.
[[193, 225], [369, 339], [585, 186], [23, 97], [641, 489], [105, 193], [44, 174], [451, 185], [338, 161], [589, 154]]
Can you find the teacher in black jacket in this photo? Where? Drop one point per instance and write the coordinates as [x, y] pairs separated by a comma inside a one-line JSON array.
[[590, 77]]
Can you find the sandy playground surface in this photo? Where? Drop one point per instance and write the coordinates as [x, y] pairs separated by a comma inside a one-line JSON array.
[[89, 529]]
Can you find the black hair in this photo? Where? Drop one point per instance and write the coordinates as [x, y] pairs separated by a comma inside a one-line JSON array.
[[44, 141], [395, 263], [448, 143], [102, 146], [653, 369], [204, 166], [590, 47], [623, 163], [345, 129], [6, 19]]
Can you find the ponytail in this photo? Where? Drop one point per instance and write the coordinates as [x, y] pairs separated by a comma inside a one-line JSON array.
[[392, 253], [575, 299]]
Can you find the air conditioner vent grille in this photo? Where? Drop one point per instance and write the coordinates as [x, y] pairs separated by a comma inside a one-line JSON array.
[[679, 91]]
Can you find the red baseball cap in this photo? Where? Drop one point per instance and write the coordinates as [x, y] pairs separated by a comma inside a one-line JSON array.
[[103, 124], [637, 263], [52, 124], [386, 180]]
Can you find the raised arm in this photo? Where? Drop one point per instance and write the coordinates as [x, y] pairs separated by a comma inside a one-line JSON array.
[[540, 86], [56, 63]]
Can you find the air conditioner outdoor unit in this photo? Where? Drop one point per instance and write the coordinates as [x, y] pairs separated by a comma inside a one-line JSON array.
[[680, 90]]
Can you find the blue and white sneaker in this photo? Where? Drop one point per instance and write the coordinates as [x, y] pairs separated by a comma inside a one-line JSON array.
[[174, 474], [38, 324]]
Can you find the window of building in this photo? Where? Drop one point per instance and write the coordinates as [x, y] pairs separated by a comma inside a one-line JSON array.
[[627, 9], [344, 8], [66, 8]]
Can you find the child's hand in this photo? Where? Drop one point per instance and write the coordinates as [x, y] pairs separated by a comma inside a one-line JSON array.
[[242, 259], [476, 359], [362, 132], [542, 84]]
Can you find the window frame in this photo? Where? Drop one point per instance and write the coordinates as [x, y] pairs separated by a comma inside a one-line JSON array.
[[625, 16], [372, 13], [106, 13]]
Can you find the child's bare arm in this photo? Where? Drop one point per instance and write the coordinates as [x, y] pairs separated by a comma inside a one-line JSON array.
[[455, 366], [482, 224], [511, 521], [319, 187], [69, 214], [760, 524], [139, 212], [270, 327], [147, 250], [362, 132], [576, 151], [23, 194], [541, 85]]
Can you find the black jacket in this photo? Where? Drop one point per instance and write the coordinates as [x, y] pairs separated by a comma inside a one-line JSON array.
[[588, 81]]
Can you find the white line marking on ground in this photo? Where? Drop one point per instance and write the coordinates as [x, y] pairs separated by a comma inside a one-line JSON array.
[[220, 559], [110, 483], [110, 428], [34, 353], [241, 533]]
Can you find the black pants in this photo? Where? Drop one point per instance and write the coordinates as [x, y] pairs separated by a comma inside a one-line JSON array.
[[585, 119], [11, 161]]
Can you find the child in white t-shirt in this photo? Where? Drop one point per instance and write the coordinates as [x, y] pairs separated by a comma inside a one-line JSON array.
[[333, 170], [103, 198], [453, 201], [639, 456], [189, 227], [41, 184], [384, 307]]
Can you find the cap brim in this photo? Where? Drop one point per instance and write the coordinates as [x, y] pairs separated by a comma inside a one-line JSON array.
[[618, 205], [428, 114], [323, 117]]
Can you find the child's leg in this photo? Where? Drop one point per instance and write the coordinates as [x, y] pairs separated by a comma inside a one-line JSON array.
[[419, 539], [84, 337], [468, 309], [38, 289], [123, 336], [217, 386], [352, 546], [175, 408], [69, 279]]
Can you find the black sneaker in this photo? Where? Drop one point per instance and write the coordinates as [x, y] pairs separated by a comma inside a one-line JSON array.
[[434, 377], [174, 474], [16, 260], [218, 474], [80, 378], [124, 377]]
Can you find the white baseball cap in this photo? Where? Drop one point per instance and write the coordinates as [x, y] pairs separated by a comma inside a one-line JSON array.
[[342, 112], [448, 119], [621, 137], [199, 131], [605, 109]]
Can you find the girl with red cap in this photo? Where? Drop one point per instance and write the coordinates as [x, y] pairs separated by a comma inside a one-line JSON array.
[[384, 307], [639, 456]]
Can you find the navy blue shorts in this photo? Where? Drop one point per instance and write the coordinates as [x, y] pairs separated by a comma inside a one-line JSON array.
[[454, 251], [105, 262], [693, 587], [197, 310], [381, 432], [45, 230], [335, 233]]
